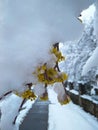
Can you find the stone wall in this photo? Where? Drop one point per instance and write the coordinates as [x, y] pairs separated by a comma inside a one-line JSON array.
[[88, 105]]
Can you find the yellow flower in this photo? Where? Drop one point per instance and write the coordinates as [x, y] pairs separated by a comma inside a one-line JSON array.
[[66, 101], [28, 94], [44, 97], [58, 54]]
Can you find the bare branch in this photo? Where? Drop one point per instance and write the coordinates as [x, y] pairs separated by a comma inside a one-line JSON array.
[[20, 108], [6, 94]]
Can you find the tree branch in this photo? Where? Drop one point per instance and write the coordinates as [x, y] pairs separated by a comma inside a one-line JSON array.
[[6, 94]]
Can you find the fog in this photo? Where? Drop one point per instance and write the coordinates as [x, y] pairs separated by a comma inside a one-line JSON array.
[[27, 30], [56, 18]]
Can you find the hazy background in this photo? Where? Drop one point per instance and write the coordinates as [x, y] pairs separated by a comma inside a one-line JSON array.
[[58, 17], [27, 30]]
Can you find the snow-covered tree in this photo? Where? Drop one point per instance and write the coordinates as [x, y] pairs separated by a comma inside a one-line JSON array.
[[78, 52], [92, 61]]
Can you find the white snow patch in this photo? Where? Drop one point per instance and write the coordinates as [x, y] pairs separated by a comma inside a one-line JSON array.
[[88, 14], [9, 110], [52, 95], [74, 91], [89, 98]]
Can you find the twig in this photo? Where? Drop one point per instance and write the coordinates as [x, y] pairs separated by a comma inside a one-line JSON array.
[[57, 66], [20, 108], [56, 45], [6, 94], [29, 85]]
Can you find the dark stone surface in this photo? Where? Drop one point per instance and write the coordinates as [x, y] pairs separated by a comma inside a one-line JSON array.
[[37, 118], [71, 86], [96, 90], [88, 105], [96, 110], [82, 89], [74, 98]]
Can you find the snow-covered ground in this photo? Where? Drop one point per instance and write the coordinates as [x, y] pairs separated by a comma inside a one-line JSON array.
[[69, 117]]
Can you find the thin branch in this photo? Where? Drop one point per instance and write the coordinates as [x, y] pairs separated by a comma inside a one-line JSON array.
[[6, 94], [29, 85], [24, 100], [57, 67], [56, 45], [20, 108]]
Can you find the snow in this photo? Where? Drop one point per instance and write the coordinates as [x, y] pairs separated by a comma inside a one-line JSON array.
[[93, 91], [74, 91], [79, 51], [70, 117], [27, 106], [52, 95], [91, 63], [10, 109], [93, 60], [39, 89], [90, 98], [88, 14], [59, 89], [28, 29], [96, 19]]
